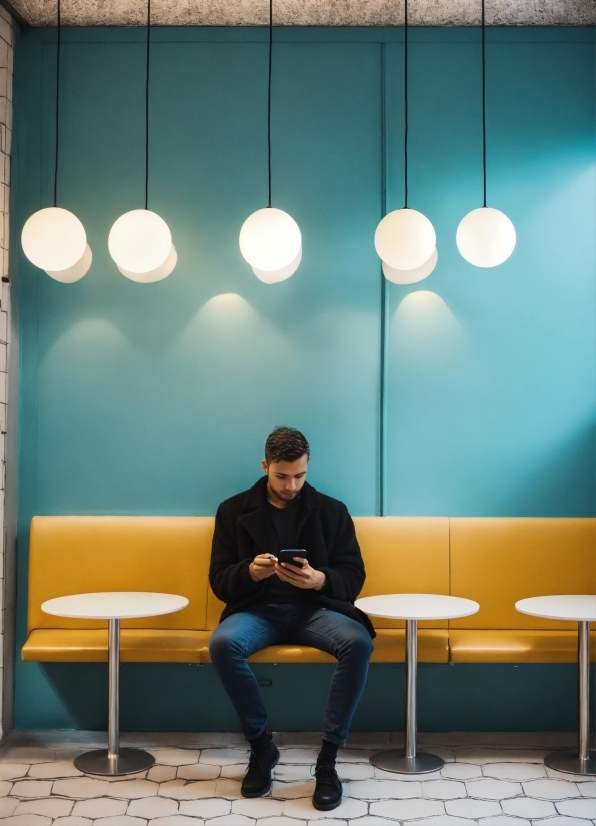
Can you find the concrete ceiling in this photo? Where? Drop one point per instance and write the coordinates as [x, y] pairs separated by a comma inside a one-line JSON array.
[[308, 12]]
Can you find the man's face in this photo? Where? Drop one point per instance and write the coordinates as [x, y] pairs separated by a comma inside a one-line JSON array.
[[286, 478]]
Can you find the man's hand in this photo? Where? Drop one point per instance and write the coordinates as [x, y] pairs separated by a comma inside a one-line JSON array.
[[262, 566], [305, 577]]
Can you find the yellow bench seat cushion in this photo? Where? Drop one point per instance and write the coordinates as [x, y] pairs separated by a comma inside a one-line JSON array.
[[389, 646], [508, 646], [137, 645]]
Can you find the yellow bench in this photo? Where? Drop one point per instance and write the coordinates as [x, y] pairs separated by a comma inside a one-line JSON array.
[[494, 561]]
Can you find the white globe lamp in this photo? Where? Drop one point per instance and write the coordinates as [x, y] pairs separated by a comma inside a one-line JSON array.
[[405, 239], [275, 276], [53, 239], [485, 237], [72, 274], [411, 276], [270, 240], [158, 273], [140, 241]]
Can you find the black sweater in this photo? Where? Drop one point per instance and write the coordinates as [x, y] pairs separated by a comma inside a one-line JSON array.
[[243, 529]]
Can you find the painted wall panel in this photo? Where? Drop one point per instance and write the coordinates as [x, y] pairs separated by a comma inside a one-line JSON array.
[[157, 399], [491, 390]]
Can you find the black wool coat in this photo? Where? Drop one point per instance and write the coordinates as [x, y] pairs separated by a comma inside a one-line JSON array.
[[244, 529]]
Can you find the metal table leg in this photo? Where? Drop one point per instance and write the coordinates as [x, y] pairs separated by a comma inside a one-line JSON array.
[[582, 761], [114, 761], [410, 760]]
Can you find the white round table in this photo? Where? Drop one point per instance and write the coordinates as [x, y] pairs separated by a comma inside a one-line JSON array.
[[114, 606], [580, 608], [412, 608]]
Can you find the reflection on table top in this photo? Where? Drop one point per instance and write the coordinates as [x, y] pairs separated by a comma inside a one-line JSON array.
[[114, 605], [417, 606], [578, 607]]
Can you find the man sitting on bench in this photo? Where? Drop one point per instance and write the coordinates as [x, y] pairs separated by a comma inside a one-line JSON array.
[[308, 601]]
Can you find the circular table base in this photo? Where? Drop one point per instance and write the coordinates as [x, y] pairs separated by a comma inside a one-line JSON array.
[[127, 761], [568, 761], [395, 760]]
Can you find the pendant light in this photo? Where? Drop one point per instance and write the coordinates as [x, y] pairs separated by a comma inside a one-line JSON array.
[[53, 238], [405, 240], [270, 239], [140, 241], [485, 237]]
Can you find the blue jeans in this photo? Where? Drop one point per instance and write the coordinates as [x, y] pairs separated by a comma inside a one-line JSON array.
[[242, 634]]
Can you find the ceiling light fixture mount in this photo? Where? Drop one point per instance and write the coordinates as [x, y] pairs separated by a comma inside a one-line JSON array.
[[53, 238], [485, 236], [270, 239]]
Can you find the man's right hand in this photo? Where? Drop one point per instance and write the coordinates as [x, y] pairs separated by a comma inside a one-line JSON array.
[[262, 566]]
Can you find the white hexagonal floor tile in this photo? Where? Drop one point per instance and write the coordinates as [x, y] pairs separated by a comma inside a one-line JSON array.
[[514, 771], [223, 757], [444, 820], [55, 770], [49, 806], [99, 807], [472, 808], [563, 820], [443, 789], [493, 789], [152, 807], [384, 789], [550, 789], [528, 807], [209, 808], [407, 809], [461, 771], [584, 807], [200, 771], [176, 757], [258, 807]]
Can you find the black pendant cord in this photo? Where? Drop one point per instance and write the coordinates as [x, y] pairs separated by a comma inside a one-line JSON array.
[[57, 104], [269, 98], [483, 102], [383, 361], [406, 103], [147, 106]]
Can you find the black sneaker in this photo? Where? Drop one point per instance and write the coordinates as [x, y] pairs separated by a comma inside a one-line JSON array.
[[257, 780], [328, 788]]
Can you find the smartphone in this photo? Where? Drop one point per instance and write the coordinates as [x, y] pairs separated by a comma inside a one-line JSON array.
[[288, 556]]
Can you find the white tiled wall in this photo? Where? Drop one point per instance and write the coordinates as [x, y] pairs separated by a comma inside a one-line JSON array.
[[6, 66]]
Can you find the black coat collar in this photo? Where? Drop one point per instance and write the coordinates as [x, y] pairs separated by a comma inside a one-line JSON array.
[[256, 520]]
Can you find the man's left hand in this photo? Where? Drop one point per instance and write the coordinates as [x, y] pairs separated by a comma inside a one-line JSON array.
[[305, 577]]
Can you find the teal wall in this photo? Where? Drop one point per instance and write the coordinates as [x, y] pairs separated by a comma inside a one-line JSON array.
[[145, 399]]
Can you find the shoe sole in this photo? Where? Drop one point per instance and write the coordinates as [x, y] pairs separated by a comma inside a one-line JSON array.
[[327, 808], [263, 791]]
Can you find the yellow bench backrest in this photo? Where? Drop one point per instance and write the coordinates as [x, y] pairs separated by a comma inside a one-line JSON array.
[[78, 554], [493, 561], [499, 561], [404, 555]]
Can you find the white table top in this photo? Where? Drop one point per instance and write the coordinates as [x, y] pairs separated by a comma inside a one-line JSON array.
[[578, 607], [114, 605], [417, 606]]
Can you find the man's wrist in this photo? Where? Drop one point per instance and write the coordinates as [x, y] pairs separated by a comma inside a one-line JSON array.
[[322, 580]]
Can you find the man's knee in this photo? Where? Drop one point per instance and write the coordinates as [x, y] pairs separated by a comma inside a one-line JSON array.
[[357, 642], [223, 645]]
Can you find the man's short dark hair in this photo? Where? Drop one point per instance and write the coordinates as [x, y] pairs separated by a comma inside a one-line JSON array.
[[285, 444]]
